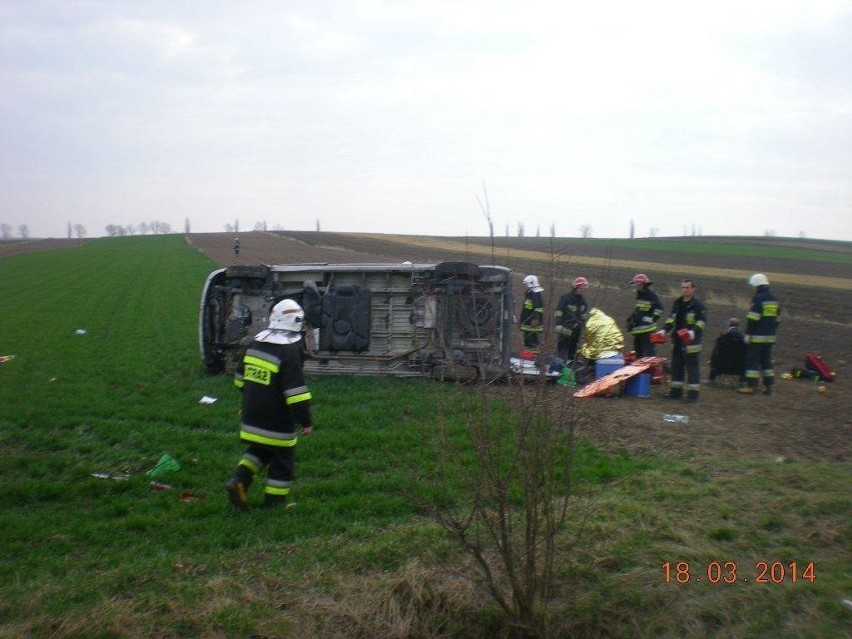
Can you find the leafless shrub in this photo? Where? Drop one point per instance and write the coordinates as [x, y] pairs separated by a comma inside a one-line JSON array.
[[512, 511]]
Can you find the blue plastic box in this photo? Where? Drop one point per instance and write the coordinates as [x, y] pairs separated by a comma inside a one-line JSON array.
[[606, 366], [638, 386]]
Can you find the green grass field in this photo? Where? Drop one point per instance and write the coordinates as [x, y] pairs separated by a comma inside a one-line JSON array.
[[94, 557]]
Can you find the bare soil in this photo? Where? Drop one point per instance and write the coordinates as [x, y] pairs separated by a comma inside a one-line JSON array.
[[797, 422]]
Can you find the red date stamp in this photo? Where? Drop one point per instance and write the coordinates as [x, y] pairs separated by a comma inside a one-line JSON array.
[[732, 572]]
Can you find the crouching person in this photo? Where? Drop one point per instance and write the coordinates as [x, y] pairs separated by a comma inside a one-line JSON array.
[[601, 338]]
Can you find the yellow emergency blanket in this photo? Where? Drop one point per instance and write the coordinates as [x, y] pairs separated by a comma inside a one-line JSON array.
[[600, 335]]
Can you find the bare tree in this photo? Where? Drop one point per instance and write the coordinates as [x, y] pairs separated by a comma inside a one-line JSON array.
[[79, 230], [24, 231], [769, 232], [186, 226], [520, 229], [486, 210], [516, 502], [553, 230], [512, 512], [632, 230], [586, 231], [653, 232], [5, 231], [318, 225]]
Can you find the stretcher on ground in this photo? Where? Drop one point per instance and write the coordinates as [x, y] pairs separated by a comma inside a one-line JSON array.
[[610, 381]]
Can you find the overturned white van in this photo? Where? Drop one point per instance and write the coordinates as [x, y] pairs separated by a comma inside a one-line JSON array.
[[451, 320]]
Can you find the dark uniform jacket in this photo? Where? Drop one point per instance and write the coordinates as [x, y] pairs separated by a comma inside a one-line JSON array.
[[763, 318], [729, 353], [572, 311], [276, 400], [690, 315], [533, 309], [646, 312]]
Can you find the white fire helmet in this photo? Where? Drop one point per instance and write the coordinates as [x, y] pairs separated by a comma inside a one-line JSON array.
[[531, 281], [758, 279], [286, 315]]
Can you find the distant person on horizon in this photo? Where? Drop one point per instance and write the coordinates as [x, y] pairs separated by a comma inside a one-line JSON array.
[[236, 247]]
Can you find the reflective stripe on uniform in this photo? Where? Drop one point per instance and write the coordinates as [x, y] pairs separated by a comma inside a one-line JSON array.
[[770, 309], [298, 394], [274, 487], [644, 328], [251, 462], [263, 360], [267, 437]]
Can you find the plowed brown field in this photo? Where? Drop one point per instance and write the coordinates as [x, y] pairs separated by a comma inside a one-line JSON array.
[[797, 422]]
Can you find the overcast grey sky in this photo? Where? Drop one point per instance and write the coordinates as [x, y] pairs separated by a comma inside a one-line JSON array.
[[730, 118]]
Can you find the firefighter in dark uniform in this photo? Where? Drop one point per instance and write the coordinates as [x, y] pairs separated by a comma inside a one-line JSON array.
[[762, 323], [532, 314], [570, 316], [236, 247], [643, 322], [276, 402], [686, 325]]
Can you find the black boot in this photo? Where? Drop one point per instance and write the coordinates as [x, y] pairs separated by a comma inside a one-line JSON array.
[[237, 488], [692, 396], [237, 494], [675, 393], [274, 501]]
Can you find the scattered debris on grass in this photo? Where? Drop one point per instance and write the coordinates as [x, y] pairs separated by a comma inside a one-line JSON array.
[[166, 464]]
